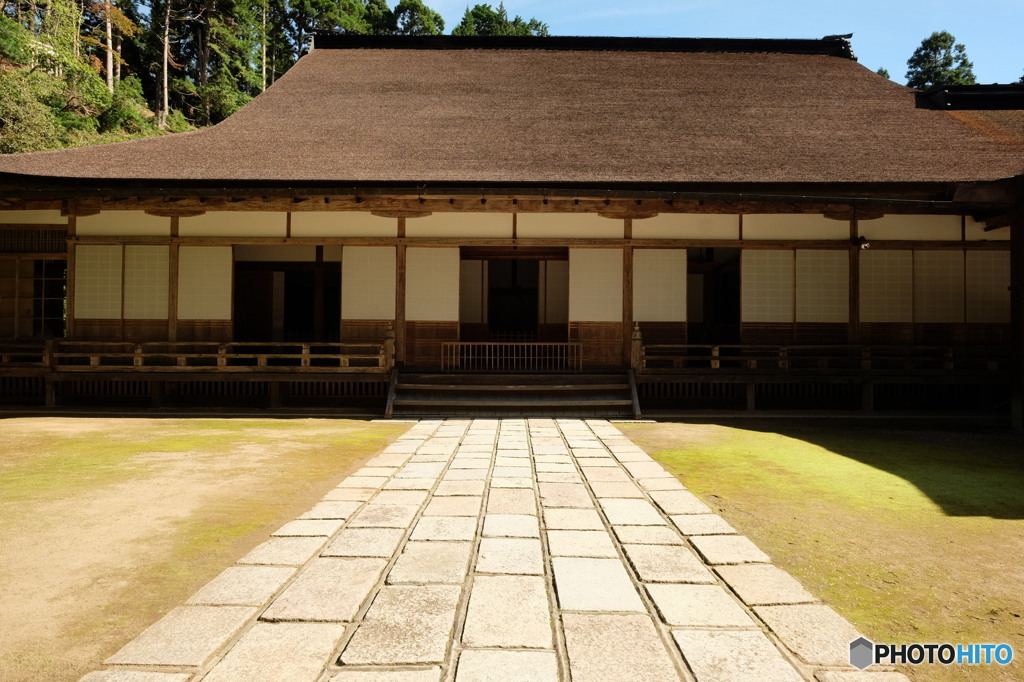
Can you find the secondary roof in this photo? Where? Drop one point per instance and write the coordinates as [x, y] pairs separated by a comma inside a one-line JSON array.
[[564, 112]]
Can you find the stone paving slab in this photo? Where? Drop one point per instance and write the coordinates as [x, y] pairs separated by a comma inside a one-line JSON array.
[[816, 633], [500, 549], [764, 584], [329, 589], [243, 586], [405, 624], [283, 652], [134, 676], [508, 611], [187, 636], [733, 656], [728, 549], [499, 666], [604, 647]]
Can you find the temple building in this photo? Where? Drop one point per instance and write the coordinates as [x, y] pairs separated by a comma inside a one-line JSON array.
[[602, 225]]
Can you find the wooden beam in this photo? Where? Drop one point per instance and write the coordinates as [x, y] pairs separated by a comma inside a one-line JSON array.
[[400, 214], [853, 323], [69, 310]]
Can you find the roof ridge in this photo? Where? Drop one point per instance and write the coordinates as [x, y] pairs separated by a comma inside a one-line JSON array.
[[833, 46]]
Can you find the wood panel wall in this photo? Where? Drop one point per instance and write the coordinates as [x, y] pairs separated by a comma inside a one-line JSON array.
[[663, 332], [423, 342], [364, 331], [602, 343]]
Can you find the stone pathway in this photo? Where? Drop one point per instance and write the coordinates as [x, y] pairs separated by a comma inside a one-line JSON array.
[[510, 549]]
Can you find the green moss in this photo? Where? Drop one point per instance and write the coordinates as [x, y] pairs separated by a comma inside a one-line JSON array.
[[913, 535]]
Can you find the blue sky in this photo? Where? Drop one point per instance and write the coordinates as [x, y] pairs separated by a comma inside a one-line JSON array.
[[885, 33]]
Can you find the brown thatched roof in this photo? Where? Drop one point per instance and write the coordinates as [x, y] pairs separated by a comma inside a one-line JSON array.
[[554, 117]]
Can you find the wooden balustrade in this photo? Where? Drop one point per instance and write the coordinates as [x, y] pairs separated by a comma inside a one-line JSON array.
[[511, 357], [220, 357], [769, 359]]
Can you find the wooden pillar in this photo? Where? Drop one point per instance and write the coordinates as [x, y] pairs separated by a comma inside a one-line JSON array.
[[627, 303], [318, 296], [400, 297], [69, 315], [1017, 315], [853, 323], [172, 291]]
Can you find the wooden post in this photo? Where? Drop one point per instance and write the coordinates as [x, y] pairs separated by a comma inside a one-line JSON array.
[[627, 295], [389, 348], [636, 354], [1017, 316], [69, 315], [853, 322], [400, 301], [172, 292]]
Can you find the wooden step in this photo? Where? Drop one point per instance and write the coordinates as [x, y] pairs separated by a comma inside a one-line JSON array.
[[582, 404], [514, 387]]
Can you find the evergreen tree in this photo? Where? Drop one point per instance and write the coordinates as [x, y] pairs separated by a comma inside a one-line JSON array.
[[939, 60], [483, 20], [413, 18], [883, 72], [380, 20]]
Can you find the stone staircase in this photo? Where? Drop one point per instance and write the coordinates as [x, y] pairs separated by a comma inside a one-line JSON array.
[[513, 395]]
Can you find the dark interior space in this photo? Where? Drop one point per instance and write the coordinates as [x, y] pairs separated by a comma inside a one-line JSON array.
[[714, 309], [287, 301], [512, 299]]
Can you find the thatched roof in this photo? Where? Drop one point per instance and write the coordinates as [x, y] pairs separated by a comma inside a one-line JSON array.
[[624, 113]]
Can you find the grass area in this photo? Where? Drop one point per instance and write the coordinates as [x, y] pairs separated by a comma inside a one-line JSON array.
[[107, 524], [913, 535]]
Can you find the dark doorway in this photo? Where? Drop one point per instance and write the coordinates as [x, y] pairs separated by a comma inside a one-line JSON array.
[[287, 301], [512, 291], [713, 292]]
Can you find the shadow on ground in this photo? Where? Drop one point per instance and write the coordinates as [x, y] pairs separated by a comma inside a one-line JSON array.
[[966, 470]]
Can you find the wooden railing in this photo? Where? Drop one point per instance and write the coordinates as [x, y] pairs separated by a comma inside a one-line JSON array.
[[86, 356], [511, 357], [25, 354], [664, 358]]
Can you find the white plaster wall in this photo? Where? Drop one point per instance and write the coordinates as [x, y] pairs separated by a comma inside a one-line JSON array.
[[205, 275], [988, 286], [146, 281], [912, 227], [492, 225], [569, 225], [234, 224], [432, 284], [368, 283], [471, 292], [822, 285], [767, 286], [275, 252], [123, 223], [687, 226], [659, 285], [595, 285], [939, 286], [887, 286], [32, 218], [793, 226], [342, 224], [556, 291], [98, 282], [975, 232]]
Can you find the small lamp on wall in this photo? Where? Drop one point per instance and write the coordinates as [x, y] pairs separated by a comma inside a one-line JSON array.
[[862, 242]]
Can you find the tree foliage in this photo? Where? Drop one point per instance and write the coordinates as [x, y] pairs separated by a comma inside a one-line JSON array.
[[939, 60], [484, 20], [883, 72], [84, 71]]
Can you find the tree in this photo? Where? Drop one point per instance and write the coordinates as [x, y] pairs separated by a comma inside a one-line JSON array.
[[380, 20], [883, 72], [413, 18], [484, 20], [940, 60]]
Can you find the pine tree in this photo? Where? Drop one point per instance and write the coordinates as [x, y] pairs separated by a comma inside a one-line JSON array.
[[939, 60], [484, 20]]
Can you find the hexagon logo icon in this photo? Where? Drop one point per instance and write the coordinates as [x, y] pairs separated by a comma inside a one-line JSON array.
[[862, 653]]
